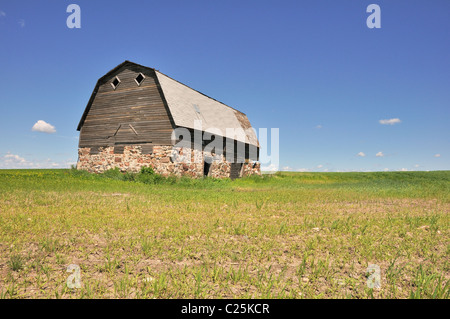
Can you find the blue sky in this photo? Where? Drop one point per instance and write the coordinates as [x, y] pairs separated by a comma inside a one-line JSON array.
[[313, 69]]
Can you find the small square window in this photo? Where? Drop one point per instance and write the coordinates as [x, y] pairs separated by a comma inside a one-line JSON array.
[[139, 79], [115, 82]]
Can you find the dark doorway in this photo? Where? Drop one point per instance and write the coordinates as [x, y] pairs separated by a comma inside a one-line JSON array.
[[206, 167], [236, 169]]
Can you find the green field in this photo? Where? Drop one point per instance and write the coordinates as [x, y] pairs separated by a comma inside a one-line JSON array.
[[290, 235]]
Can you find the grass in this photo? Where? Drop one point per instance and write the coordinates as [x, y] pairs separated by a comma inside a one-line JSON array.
[[15, 262], [287, 235]]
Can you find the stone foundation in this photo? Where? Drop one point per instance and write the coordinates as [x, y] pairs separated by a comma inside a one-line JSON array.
[[161, 160]]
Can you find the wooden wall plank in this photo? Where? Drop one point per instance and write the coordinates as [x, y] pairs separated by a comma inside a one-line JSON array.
[[141, 106]]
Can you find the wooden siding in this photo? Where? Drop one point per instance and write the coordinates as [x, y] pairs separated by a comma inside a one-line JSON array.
[[251, 151], [130, 114]]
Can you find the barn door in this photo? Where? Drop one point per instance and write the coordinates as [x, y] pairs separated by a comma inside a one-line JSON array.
[[127, 135]]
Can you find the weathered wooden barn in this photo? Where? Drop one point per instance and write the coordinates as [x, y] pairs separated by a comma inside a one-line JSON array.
[[137, 116]]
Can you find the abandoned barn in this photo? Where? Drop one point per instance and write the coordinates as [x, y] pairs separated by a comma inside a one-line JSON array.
[[137, 116]]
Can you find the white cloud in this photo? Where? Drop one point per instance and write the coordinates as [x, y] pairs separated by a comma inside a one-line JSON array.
[[319, 166], [42, 126], [386, 169], [2, 14], [12, 158], [319, 126], [287, 168], [22, 23], [403, 169], [270, 168], [361, 154], [390, 121], [302, 170], [417, 165], [379, 154], [14, 161], [437, 155]]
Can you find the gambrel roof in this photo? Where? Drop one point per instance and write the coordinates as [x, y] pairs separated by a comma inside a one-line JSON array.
[[187, 106]]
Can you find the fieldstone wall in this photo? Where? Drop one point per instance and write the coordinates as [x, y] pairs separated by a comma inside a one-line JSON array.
[[251, 168], [165, 160]]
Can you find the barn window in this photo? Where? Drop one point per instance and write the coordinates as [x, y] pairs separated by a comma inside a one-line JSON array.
[[115, 82], [139, 79]]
